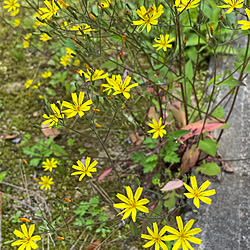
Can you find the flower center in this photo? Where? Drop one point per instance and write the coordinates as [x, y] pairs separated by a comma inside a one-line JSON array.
[[157, 238], [182, 235], [132, 203], [196, 194], [27, 239]]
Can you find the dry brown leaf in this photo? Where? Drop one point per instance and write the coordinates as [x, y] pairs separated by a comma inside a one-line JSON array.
[[172, 185], [50, 132], [93, 245]]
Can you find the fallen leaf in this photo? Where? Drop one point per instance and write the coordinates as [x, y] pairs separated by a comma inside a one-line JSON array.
[[195, 128], [50, 132], [178, 113], [189, 159], [104, 174], [93, 245], [226, 168], [152, 114], [172, 185]]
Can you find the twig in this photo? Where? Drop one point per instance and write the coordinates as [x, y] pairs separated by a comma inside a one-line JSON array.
[[73, 247]]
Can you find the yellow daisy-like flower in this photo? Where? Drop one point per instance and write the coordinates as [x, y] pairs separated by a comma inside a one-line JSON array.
[[46, 74], [120, 87], [199, 194], [157, 128], [186, 4], [49, 164], [245, 24], [93, 75], [183, 235], [38, 23], [155, 237], [106, 4], [15, 12], [148, 18], [27, 240], [28, 36], [164, 42], [44, 37], [85, 170], [55, 116], [65, 60], [231, 4], [46, 181], [16, 22], [81, 30], [78, 107], [76, 62], [50, 10], [71, 53], [28, 83], [11, 5], [26, 44], [131, 203]]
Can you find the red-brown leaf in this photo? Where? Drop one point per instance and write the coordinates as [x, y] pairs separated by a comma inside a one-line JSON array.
[[172, 185], [104, 174]]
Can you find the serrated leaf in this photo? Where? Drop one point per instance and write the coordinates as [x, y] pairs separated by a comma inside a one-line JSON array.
[[209, 169], [151, 158], [209, 146], [149, 142], [149, 167], [137, 157]]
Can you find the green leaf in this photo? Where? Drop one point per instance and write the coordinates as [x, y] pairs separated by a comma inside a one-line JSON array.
[[3, 175], [149, 142], [137, 157], [219, 112], [209, 169], [171, 157], [230, 82], [51, 92], [58, 150], [189, 70], [151, 158], [180, 133], [149, 167], [35, 161], [209, 146]]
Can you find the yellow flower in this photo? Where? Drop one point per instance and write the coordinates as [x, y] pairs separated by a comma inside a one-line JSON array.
[[27, 240], [199, 193], [55, 116], [46, 181], [49, 165], [148, 18], [163, 42], [155, 237], [115, 83], [93, 75], [65, 60], [106, 4], [44, 37], [231, 4], [70, 52], [46, 74], [16, 22], [27, 36], [245, 24], [76, 62], [28, 83], [186, 4], [50, 10], [157, 128], [26, 44], [81, 30], [38, 23], [15, 12], [36, 86], [11, 5], [78, 107], [183, 235], [131, 203], [85, 170]]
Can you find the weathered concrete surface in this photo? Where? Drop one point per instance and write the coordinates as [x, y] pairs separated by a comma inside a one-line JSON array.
[[225, 223]]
